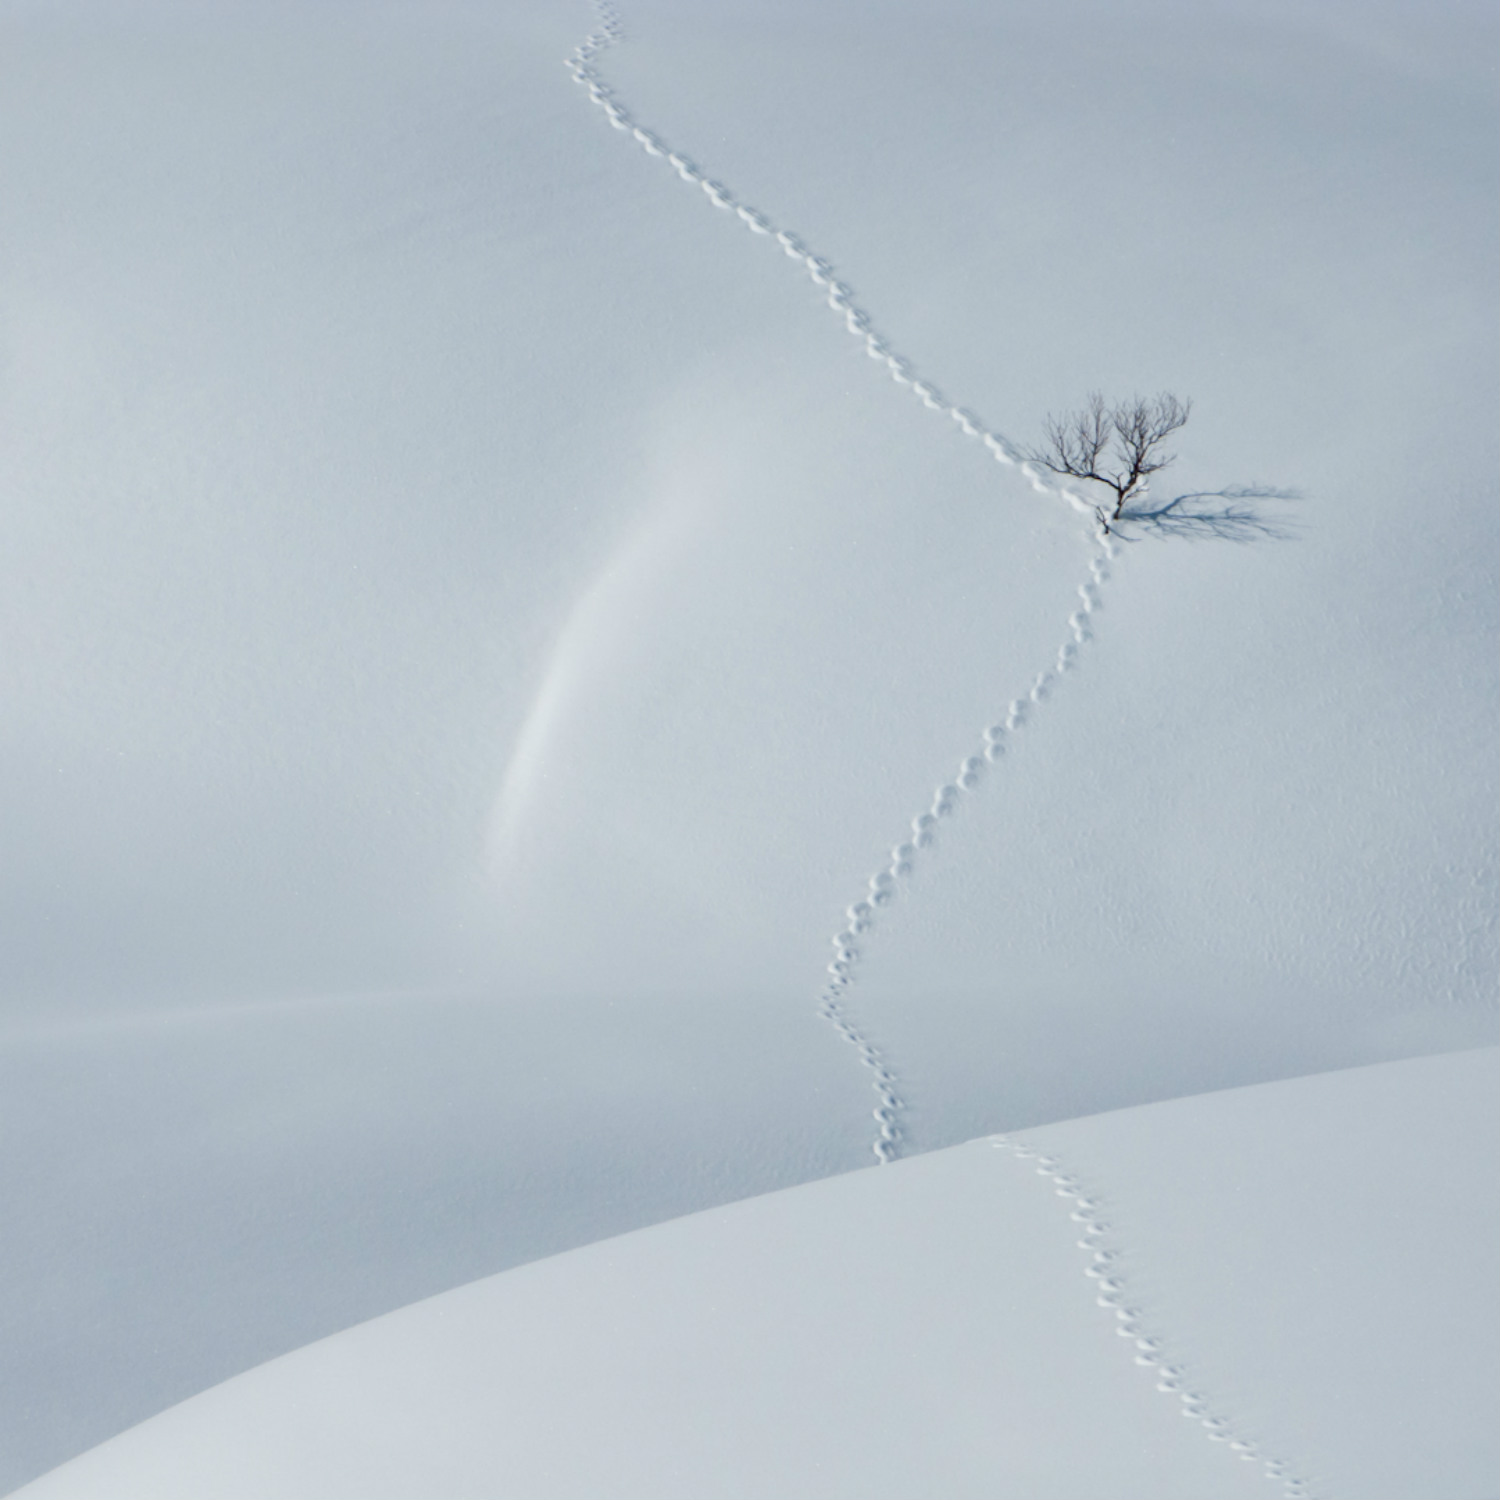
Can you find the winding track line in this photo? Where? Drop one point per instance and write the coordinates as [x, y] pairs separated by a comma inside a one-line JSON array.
[[1106, 1255], [885, 883], [1108, 1268]]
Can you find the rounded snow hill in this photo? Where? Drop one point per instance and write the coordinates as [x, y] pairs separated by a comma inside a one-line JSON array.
[[1305, 1266]]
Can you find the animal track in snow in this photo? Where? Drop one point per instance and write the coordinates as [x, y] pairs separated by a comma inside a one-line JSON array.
[[1107, 1264], [884, 885], [1108, 1268], [840, 299], [886, 882]]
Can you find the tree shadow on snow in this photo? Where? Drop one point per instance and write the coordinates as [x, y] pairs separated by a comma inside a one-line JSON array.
[[1230, 515]]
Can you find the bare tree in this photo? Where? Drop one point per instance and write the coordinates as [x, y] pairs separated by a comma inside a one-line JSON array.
[[1116, 446]]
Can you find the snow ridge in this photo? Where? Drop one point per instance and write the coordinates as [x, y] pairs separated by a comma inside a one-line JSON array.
[[884, 884], [1107, 1269]]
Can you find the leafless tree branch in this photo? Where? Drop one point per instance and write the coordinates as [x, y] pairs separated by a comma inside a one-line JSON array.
[[1116, 446]]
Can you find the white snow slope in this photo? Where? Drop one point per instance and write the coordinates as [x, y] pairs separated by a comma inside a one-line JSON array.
[[1302, 1270], [475, 618]]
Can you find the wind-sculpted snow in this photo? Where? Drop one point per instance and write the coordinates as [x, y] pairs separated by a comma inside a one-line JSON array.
[[925, 1331], [1108, 1268], [885, 883]]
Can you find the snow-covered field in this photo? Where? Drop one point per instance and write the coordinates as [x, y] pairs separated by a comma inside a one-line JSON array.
[[476, 617], [930, 1330]]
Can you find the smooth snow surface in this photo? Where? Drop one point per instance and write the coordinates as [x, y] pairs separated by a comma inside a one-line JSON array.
[[926, 1330], [476, 618]]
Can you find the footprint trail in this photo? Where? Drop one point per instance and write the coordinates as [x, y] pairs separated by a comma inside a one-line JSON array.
[[840, 299], [1108, 1269], [1107, 1258], [885, 883]]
